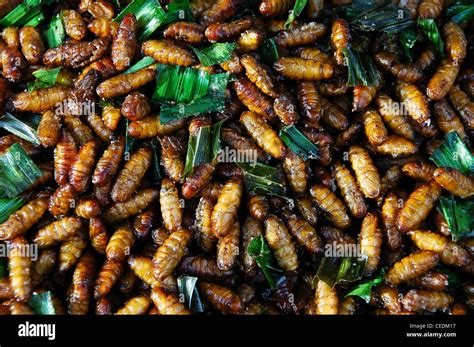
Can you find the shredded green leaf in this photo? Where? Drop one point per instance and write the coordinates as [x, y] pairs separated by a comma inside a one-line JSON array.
[[179, 10], [215, 54], [262, 179], [141, 64], [26, 13], [156, 161], [20, 128], [298, 143], [458, 214], [3, 268], [9, 206], [216, 138], [259, 250], [55, 34], [361, 69], [334, 270], [408, 38], [430, 30], [454, 280], [44, 78], [42, 303], [295, 13], [455, 154], [188, 291], [199, 150], [364, 289], [17, 171], [461, 12], [269, 51]]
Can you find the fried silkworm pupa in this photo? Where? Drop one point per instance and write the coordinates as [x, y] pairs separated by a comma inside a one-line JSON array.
[[419, 170], [222, 298], [412, 266], [232, 65], [443, 79], [456, 41], [370, 241], [251, 229], [99, 128], [275, 8], [392, 116], [374, 127], [124, 44], [151, 126], [98, 235], [220, 11], [454, 181], [171, 157], [205, 238], [419, 300], [204, 268], [135, 306], [390, 63], [74, 25], [122, 210], [304, 35], [77, 54], [313, 53], [447, 120], [219, 32], [350, 190], [19, 266], [43, 266], [228, 248], [336, 88], [170, 204], [31, 44], [366, 172], [120, 244], [13, 64], [41, 100], [143, 223], [253, 98], [198, 7], [224, 213], [389, 215], [168, 256], [263, 134], [10, 36], [168, 304], [143, 268], [79, 131], [280, 242], [81, 170], [414, 100], [125, 83], [70, 251], [348, 306], [108, 276], [418, 206], [62, 200], [285, 108], [390, 298], [250, 40], [432, 280], [111, 117], [259, 75], [305, 207], [24, 218], [191, 33], [296, 172], [449, 252], [304, 233], [88, 207], [258, 207], [130, 176], [108, 164], [57, 231], [325, 300], [463, 104], [363, 96], [430, 9], [396, 146], [330, 204], [302, 69], [340, 38], [82, 285], [100, 8], [165, 52], [242, 145]]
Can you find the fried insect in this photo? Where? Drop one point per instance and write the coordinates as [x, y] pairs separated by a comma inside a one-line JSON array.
[[191, 33], [280, 242], [74, 25], [374, 127], [370, 241], [224, 213], [258, 207], [430, 9], [251, 229], [98, 235], [396, 146], [447, 120], [419, 170], [24, 218], [79, 131], [275, 8], [425, 300], [57, 231], [151, 126], [301, 69], [456, 41], [442, 80], [135, 306], [165, 52], [366, 172], [81, 170], [167, 303], [304, 35], [250, 40], [392, 116], [330, 204], [305, 207], [168, 256], [340, 38], [171, 157], [31, 44], [350, 190], [78, 54], [120, 244], [389, 215], [170, 204], [135, 106], [222, 298], [454, 181], [418, 206], [64, 157], [325, 300], [43, 266], [88, 207], [99, 128], [108, 164], [82, 285], [111, 117], [103, 27], [285, 108], [10, 36], [220, 11], [19, 265], [198, 7], [124, 44], [49, 129], [363, 96], [412, 266], [108, 276], [304, 233], [296, 172], [125, 83], [62, 200], [390, 63], [144, 223], [123, 210], [449, 252], [228, 248], [71, 250], [243, 145], [432, 280], [253, 98], [219, 32], [41, 100], [263, 134], [463, 104], [259, 75], [205, 238], [414, 101]]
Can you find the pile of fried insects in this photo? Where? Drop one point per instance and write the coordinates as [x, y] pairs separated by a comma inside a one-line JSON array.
[[236, 157]]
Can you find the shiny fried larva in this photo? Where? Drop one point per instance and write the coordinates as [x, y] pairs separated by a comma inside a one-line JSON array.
[[165, 52], [198, 7], [285, 108], [151, 126], [258, 207], [389, 215], [125, 83], [191, 33], [124, 44], [19, 269], [443, 79], [366, 172], [82, 285], [454, 181], [203, 268], [41, 100], [263, 134], [325, 300], [419, 170], [280, 242], [120, 244], [100, 129], [108, 276], [253, 98], [220, 11], [62, 200], [170, 204], [31, 44], [340, 38], [128, 179], [447, 120], [196, 181], [305, 207], [418, 205], [406, 73], [43, 266], [397, 146], [108, 164], [168, 256], [463, 104], [243, 145], [296, 172], [232, 65], [275, 8], [143, 223], [222, 298], [251, 229], [412, 266], [350, 190], [228, 248], [414, 100], [10, 37], [419, 300], [64, 157], [135, 306], [57, 231], [331, 205], [224, 213], [74, 25], [432, 280], [363, 96], [391, 299], [98, 235], [259, 75], [393, 117], [218, 32], [374, 127], [171, 157], [430, 9], [370, 241], [81, 170], [135, 106], [111, 117], [250, 40], [456, 41], [304, 233], [304, 35], [70, 251], [167, 304], [302, 69], [79, 131], [24, 218], [123, 210], [205, 238]]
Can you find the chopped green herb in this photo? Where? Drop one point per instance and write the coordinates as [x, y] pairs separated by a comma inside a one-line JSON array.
[[298, 143], [141, 64], [179, 10], [295, 13], [408, 38], [42, 303], [461, 12], [430, 30], [263, 179], [458, 214], [156, 161], [44, 78], [361, 69], [269, 51], [454, 153], [215, 54], [259, 250], [55, 33], [364, 289], [198, 149], [20, 128], [26, 13], [188, 291], [216, 138], [9, 206], [334, 270]]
